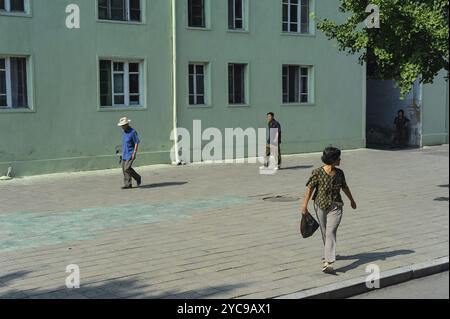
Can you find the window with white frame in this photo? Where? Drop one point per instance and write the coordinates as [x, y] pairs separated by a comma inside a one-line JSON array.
[[13, 83], [13, 5], [197, 83], [120, 10], [296, 16], [121, 83], [237, 83], [296, 84], [236, 15], [196, 13]]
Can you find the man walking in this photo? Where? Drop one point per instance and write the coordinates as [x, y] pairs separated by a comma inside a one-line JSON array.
[[273, 149], [130, 144]]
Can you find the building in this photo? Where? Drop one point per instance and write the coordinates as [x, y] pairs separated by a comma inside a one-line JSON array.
[[164, 64]]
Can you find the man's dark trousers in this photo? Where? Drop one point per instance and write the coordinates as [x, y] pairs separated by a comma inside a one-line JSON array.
[[129, 173]]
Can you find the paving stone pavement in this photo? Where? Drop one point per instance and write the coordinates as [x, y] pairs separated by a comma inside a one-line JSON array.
[[205, 231]]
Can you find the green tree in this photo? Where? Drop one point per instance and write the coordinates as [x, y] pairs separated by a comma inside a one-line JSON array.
[[410, 43]]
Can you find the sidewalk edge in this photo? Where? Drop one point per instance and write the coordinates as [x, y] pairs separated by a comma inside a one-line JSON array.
[[358, 286]]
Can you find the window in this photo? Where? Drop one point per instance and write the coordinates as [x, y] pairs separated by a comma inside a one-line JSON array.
[[296, 16], [120, 83], [296, 84], [197, 76], [196, 13], [119, 10], [12, 5], [236, 83], [236, 14], [13, 83]]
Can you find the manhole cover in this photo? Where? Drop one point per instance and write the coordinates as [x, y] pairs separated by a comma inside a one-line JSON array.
[[280, 198]]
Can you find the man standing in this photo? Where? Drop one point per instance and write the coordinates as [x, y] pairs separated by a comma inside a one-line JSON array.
[[130, 144], [401, 124], [273, 142]]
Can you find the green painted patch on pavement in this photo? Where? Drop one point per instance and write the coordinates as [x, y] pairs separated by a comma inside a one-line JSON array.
[[21, 230]]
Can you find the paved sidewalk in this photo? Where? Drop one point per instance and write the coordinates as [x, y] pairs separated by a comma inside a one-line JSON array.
[[206, 230]]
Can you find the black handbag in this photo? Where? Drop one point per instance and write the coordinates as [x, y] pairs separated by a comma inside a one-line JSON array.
[[308, 225]]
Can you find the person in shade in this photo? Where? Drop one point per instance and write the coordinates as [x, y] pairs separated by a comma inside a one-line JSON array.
[[130, 145], [327, 182], [401, 124]]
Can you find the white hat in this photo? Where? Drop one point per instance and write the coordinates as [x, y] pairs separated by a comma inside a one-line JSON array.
[[124, 121]]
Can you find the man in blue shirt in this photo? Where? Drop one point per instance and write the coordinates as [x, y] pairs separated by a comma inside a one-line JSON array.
[[130, 144]]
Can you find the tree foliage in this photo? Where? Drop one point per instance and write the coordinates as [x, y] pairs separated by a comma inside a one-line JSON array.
[[411, 43]]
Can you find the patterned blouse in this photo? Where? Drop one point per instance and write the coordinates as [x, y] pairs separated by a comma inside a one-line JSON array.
[[327, 187]]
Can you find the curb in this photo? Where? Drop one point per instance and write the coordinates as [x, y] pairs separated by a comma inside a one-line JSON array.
[[357, 286]]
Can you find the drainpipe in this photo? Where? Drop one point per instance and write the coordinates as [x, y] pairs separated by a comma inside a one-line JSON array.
[[174, 80], [422, 108], [446, 115], [364, 105]]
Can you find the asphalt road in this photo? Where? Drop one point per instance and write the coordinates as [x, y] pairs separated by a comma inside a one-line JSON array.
[[432, 287]]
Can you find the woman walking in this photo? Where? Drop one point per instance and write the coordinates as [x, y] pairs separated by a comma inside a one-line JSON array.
[[327, 183]]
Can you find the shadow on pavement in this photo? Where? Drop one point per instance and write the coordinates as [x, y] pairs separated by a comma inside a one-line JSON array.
[[296, 167], [163, 185], [11, 277], [382, 147], [365, 258], [111, 289]]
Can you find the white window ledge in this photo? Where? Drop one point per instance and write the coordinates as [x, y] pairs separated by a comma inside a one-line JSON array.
[[238, 105], [121, 108], [16, 110], [121, 22], [15, 14], [298, 34], [297, 104]]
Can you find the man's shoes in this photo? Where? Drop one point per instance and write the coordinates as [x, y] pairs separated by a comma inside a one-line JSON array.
[[127, 187]]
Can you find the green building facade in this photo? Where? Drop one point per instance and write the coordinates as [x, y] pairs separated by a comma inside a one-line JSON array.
[[64, 82]]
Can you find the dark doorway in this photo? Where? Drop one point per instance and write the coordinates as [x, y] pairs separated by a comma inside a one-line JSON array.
[[383, 104]]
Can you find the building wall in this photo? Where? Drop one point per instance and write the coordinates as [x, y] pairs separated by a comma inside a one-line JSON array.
[[336, 117], [435, 112], [66, 131]]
